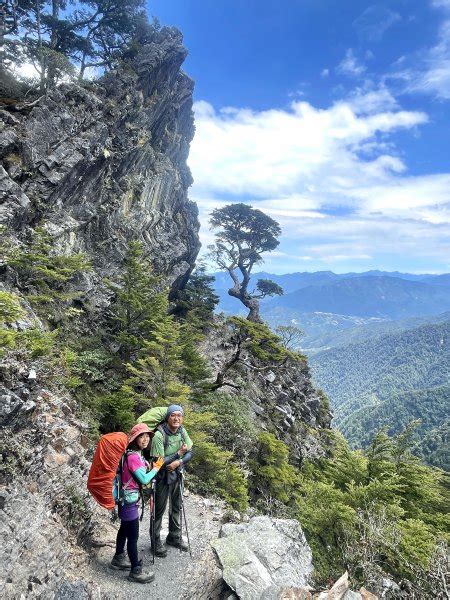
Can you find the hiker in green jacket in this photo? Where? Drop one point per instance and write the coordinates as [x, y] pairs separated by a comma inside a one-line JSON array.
[[172, 442]]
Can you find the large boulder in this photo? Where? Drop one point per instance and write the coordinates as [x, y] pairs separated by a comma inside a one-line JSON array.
[[262, 556]]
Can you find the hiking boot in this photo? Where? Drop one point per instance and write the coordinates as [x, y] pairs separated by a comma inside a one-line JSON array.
[[179, 543], [138, 574], [160, 549], [120, 562]]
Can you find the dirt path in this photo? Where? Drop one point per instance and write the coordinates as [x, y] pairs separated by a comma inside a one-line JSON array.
[[178, 576]]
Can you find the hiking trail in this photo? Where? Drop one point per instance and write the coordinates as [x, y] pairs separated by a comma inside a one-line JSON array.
[[177, 576]]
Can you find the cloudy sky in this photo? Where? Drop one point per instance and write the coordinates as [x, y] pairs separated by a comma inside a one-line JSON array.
[[331, 117]]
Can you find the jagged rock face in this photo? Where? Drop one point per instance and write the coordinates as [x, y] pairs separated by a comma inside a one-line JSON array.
[[263, 555], [42, 488], [105, 163], [281, 395]]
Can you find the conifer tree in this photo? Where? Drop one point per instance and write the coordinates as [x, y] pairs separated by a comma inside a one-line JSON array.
[[56, 39], [139, 302], [42, 274], [156, 376], [244, 233], [274, 478], [195, 370], [197, 300]]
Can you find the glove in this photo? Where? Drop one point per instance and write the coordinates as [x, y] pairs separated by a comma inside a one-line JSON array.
[[158, 463]]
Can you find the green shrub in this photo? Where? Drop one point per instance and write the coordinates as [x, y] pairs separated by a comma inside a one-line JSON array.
[[259, 340], [213, 469], [235, 429], [44, 274], [273, 477], [90, 365], [115, 411], [38, 342], [10, 309]]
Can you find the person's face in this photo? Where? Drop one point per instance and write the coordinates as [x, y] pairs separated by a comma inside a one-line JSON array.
[[142, 441], [175, 420]]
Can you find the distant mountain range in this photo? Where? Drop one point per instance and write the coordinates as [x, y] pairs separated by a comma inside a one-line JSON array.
[[369, 296], [333, 309]]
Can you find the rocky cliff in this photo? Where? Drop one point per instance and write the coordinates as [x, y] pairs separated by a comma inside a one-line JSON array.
[[281, 395], [100, 164]]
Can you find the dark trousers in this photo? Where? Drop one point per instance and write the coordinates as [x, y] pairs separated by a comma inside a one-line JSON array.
[[163, 494], [129, 533]]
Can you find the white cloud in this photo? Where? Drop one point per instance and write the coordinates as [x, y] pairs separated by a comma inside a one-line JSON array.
[[282, 153], [331, 177], [26, 70], [350, 65], [425, 198], [372, 101], [441, 3], [325, 73], [374, 22], [431, 71], [341, 257], [361, 237], [435, 78]]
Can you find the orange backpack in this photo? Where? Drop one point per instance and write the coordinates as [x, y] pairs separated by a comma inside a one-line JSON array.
[[109, 451]]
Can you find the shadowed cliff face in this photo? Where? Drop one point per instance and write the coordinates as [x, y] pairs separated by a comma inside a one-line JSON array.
[[102, 164]]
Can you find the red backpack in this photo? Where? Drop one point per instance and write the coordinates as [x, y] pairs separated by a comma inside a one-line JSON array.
[[109, 451]]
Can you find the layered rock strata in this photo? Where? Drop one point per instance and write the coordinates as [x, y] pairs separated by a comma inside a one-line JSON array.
[[104, 163]]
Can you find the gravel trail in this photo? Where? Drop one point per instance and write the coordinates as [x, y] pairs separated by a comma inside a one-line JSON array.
[[178, 576]]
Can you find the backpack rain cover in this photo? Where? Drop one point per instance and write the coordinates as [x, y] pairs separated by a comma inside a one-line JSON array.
[[104, 466]]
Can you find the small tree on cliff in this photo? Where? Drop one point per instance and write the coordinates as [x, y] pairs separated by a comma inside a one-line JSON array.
[[244, 234]]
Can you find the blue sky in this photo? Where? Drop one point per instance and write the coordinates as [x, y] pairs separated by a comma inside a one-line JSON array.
[[332, 117]]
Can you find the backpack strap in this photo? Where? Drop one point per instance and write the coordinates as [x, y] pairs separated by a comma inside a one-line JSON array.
[[165, 437]]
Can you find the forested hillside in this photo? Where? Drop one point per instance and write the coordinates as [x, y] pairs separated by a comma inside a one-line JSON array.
[[389, 381], [428, 408]]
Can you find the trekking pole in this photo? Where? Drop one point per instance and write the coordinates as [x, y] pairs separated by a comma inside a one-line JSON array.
[[181, 504], [152, 521], [183, 511]]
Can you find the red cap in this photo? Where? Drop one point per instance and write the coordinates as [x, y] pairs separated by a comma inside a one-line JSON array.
[[137, 431]]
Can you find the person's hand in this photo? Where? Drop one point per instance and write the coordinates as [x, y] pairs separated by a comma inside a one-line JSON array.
[[173, 465], [183, 449], [158, 463]]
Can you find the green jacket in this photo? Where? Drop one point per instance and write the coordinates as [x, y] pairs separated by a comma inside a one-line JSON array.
[[174, 442]]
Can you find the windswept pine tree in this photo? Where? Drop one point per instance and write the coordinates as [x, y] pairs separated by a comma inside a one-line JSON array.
[[244, 233]]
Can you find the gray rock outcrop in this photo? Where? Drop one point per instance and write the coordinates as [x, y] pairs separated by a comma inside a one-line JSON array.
[[104, 163], [281, 395], [43, 500], [262, 556]]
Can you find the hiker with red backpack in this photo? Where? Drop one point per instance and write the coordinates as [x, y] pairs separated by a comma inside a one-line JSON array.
[[172, 442], [133, 475]]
